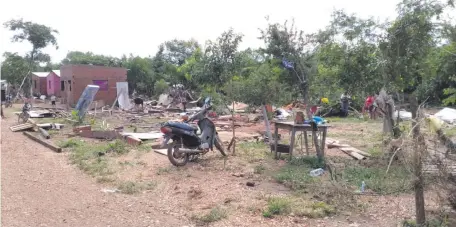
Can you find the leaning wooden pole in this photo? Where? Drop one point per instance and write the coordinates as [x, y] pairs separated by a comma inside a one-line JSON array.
[[232, 119], [267, 125]]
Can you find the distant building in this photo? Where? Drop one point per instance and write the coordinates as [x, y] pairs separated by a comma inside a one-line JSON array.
[[53, 85], [74, 79], [39, 83]]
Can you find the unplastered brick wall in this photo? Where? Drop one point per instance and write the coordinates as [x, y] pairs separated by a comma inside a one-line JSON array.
[[83, 75]]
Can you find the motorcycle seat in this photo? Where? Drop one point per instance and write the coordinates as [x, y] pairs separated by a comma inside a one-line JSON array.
[[183, 126]]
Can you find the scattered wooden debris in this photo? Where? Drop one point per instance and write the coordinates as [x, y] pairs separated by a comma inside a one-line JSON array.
[[43, 142], [21, 127], [347, 149], [44, 133]]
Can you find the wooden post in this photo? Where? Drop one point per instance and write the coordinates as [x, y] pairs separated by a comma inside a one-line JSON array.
[[233, 125], [266, 122]]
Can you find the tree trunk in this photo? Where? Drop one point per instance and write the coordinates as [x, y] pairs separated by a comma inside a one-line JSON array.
[[31, 77], [388, 122], [419, 147]]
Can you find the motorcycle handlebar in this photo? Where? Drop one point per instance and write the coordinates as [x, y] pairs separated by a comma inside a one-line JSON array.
[[201, 112]]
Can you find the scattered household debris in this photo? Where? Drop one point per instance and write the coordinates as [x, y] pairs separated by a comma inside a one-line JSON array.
[[447, 115], [316, 172], [403, 115], [106, 190], [43, 142], [239, 107]]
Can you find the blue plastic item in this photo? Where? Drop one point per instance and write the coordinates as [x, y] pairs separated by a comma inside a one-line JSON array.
[[318, 120], [183, 126]]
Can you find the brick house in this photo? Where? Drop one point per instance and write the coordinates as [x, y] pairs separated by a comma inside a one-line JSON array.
[[53, 83], [39, 82], [74, 79]]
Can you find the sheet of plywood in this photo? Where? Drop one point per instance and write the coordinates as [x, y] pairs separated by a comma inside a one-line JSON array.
[[122, 93]]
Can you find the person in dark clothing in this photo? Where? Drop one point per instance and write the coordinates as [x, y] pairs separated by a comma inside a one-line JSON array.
[[345, 103]]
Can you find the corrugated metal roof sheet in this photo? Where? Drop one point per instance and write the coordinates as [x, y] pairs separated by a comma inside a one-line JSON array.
[[57, 72], [40, 74]]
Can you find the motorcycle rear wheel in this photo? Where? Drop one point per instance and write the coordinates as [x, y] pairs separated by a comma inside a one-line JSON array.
[[174, 157]]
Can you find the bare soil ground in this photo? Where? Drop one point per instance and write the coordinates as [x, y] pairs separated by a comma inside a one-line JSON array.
[[42, 188]]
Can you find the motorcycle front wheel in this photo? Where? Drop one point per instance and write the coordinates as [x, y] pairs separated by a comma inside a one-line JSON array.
[[175, 157], [23, 117]]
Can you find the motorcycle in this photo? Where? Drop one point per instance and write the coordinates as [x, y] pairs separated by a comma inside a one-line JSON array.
[[24, 116], [186, 145]]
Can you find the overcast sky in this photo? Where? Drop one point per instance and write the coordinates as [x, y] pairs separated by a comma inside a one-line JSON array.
[[138, 27]]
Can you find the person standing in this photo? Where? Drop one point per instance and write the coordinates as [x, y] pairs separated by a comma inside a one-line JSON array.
[[345, 103], [369, 106], [53, 98]]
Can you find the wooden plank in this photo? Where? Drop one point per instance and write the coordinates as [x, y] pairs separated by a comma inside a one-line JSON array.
[[336, 145], [21, 127], [44, 133], [43, 142], [353, 154], [359, 151]]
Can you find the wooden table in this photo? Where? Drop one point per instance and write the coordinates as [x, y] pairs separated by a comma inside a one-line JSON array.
[[291, 126]]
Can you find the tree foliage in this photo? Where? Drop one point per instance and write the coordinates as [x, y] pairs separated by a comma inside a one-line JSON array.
[[413, 53]]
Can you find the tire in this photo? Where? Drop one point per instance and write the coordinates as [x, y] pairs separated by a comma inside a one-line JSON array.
[[23, 117], [219, 145], [171, 149], [20, 118]]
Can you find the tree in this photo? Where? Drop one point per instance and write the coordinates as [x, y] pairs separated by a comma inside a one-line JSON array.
[[89, 58], [14, 67], [409, 42], [286, 43], [140, 75], [40, 36], [220, 59], [178, 51]]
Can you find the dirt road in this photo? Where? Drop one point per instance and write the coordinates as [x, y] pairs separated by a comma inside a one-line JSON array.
[[40, 188]]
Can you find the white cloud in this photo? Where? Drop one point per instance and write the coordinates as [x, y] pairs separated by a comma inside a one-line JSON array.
[[138, 27]]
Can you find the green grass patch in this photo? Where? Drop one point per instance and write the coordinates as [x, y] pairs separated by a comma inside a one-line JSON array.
[[70, 143], [308, 161], [118, 147], [130, 187], [298, 206], [90, 158], [163, 170], [259, 169], [253, 151], [296, 173], [277, 206], [397, 180], [450, 131], [429, 223], [345, 119], [216, 214], [295, 177], [105, 179]]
